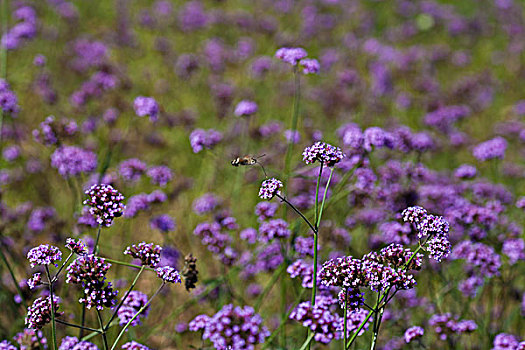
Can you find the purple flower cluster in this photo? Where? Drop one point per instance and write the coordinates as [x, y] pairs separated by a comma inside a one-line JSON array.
[[319, 318], [133, 345], [105, 203], [35, 280], [205, 203], [446, 325], [265, 210], [216, 241], [160, 175], [133, 303], [270, 188], [435, 228], [277, 228], [304, 270], [235, 328], [246, 108], [324, 153], [291, 55], [22, 31], [132, 169], [8, 99], [505, 341], [412, 333], [72, 343], [52, 130], [76, 246], [72, 160], [163, 223], [201, 139], [490, 149], [39, 314], [44, 254], [147, 253], [168, 274], [480, 258], [146, 106], [90, 271]]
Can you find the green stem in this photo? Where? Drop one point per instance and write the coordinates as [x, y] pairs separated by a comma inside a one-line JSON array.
[[83, 321], [324, 199], [307, 341], [135, 316], [96, 332], [53, 324], [124, 298], [123, 263], [383, 296], [55, 278], [78, 326], [11, 272], [104, 337], [95, 247]]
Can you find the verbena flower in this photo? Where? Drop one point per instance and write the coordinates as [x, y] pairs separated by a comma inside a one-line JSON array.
[[133, 303], [76, 246], [245, 108], [277, 228], [318, 318], [163, 223], [168, 274], [310, 66], [35, 280], [146, 106], [232, 327], [105, 203], [44, 254], [291, 55], [270, 188], [413, 333], [39, 313], [324, 153], [132, 169], [5, 345], [160, 175], [30, 339], [133, 345], [72, 160], [72, 343], [147, 253], [205, 203], [490, 149]]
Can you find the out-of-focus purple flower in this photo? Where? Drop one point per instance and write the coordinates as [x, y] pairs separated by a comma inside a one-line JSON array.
[[146, 106], [504, 341], [72, 343], [520, 203], [72, 160], [490, 149], [465, 171], [310, 66], [246, 108], [232, 328], [205, 203], [39, 60], [132, 169], [133, 303], [514, 249], [318, 318], [5, 345], [277, 228], [160, 175], [413, 333], [291, 55], [11, 153], [292, 136], [446, 325], [133, 345], [200, 139], [265, 210], [163, 223], [192, 16], [270, 188]]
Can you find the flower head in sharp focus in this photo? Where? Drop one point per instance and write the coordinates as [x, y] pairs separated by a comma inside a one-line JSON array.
[[147, 253], [35, 280], [76, 246], [146, 106], [324, 153], [105, 203], [270, 188], [44, 254], [39, 314], [168, 274]]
